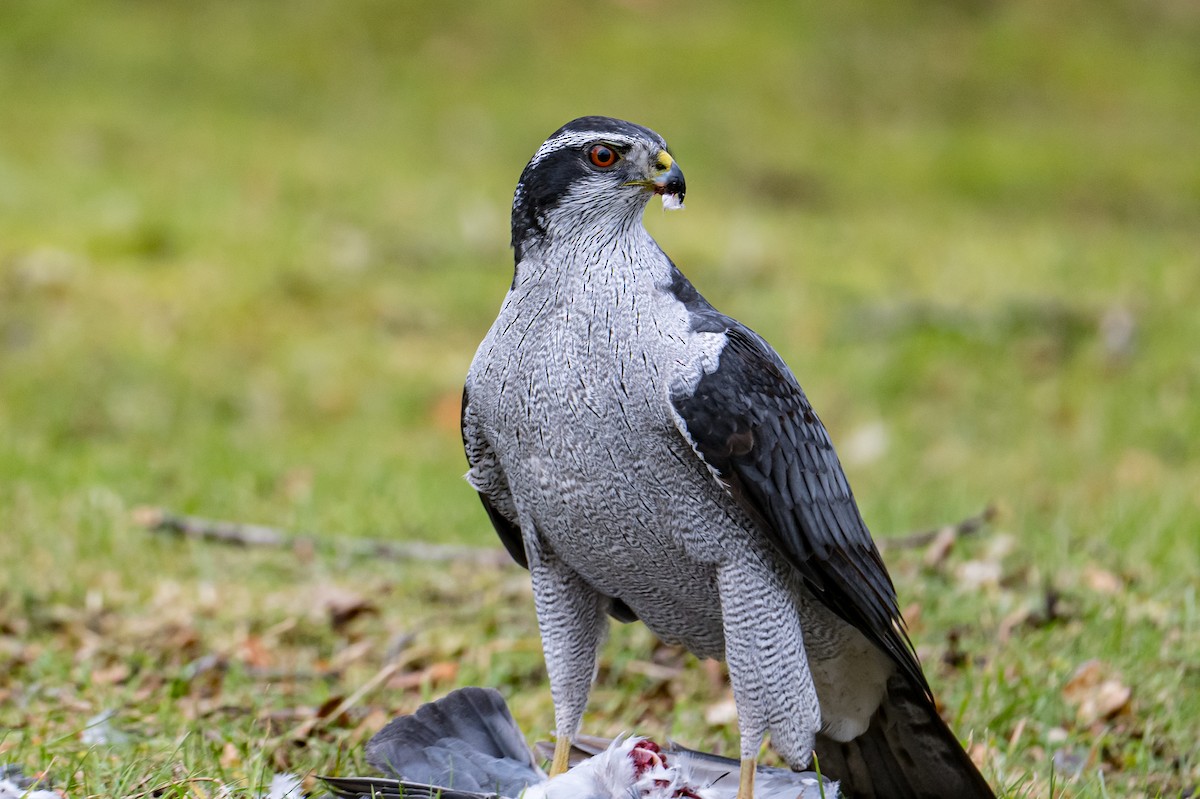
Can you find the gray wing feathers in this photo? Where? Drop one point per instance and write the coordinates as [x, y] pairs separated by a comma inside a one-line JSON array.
[[467, 741]]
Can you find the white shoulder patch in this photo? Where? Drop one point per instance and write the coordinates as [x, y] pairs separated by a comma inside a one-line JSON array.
[[705, 351]]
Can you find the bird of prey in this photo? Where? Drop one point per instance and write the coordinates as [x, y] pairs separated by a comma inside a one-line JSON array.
[[647, 457], [467, 746]]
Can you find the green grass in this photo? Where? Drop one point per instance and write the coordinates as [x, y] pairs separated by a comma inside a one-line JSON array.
[[247, 250]]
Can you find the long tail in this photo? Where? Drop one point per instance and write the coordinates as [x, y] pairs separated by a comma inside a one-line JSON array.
[[908, 752], [467, 741]]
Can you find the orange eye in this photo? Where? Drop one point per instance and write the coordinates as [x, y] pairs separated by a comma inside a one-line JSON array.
[[603, 156]]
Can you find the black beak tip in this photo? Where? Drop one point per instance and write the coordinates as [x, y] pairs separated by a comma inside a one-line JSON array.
[[671, 183]]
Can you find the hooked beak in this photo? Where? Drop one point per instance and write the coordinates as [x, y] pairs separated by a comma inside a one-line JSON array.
[[666, 178], [669, 180]]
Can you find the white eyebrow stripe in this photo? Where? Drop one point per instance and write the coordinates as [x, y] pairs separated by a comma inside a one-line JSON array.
[[577, 139]]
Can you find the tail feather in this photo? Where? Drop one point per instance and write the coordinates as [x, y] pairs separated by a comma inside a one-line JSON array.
[[908, 752], [467, 741]]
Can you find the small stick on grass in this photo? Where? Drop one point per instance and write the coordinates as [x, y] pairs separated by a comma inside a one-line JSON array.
[[241, 534]]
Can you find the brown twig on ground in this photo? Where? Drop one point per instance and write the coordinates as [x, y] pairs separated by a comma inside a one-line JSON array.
[[952, 532], [257, 535], [158, 520]]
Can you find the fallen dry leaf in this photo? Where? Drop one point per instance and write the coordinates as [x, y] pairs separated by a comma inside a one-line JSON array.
[[440, 672], [940, 548], [1110, 698], [351, 654], [981, 754], [1085, 678], [1096, 695], [1017, 618], [256, 653], [112, 675], [343, 607], [327, 708]]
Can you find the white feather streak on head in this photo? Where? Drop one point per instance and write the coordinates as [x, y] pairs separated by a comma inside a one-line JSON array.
[[578, 138]]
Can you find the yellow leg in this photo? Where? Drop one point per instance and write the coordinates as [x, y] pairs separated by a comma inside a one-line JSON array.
[[562, 753], [746, 778]]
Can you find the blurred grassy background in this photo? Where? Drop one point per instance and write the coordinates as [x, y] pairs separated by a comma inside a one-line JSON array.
[[247, 251]]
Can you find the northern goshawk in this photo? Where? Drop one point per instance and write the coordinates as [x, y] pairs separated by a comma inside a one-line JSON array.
[[648, 457]]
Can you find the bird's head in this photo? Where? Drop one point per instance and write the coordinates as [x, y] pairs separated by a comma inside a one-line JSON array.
[[592, 173]]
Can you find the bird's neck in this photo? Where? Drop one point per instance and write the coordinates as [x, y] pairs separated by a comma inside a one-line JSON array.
[[586, 259]]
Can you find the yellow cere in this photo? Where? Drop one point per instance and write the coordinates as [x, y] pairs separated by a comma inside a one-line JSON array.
[[664, 160]]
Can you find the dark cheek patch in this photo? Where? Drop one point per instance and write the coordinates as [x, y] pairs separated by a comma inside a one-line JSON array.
[[542, 188]]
